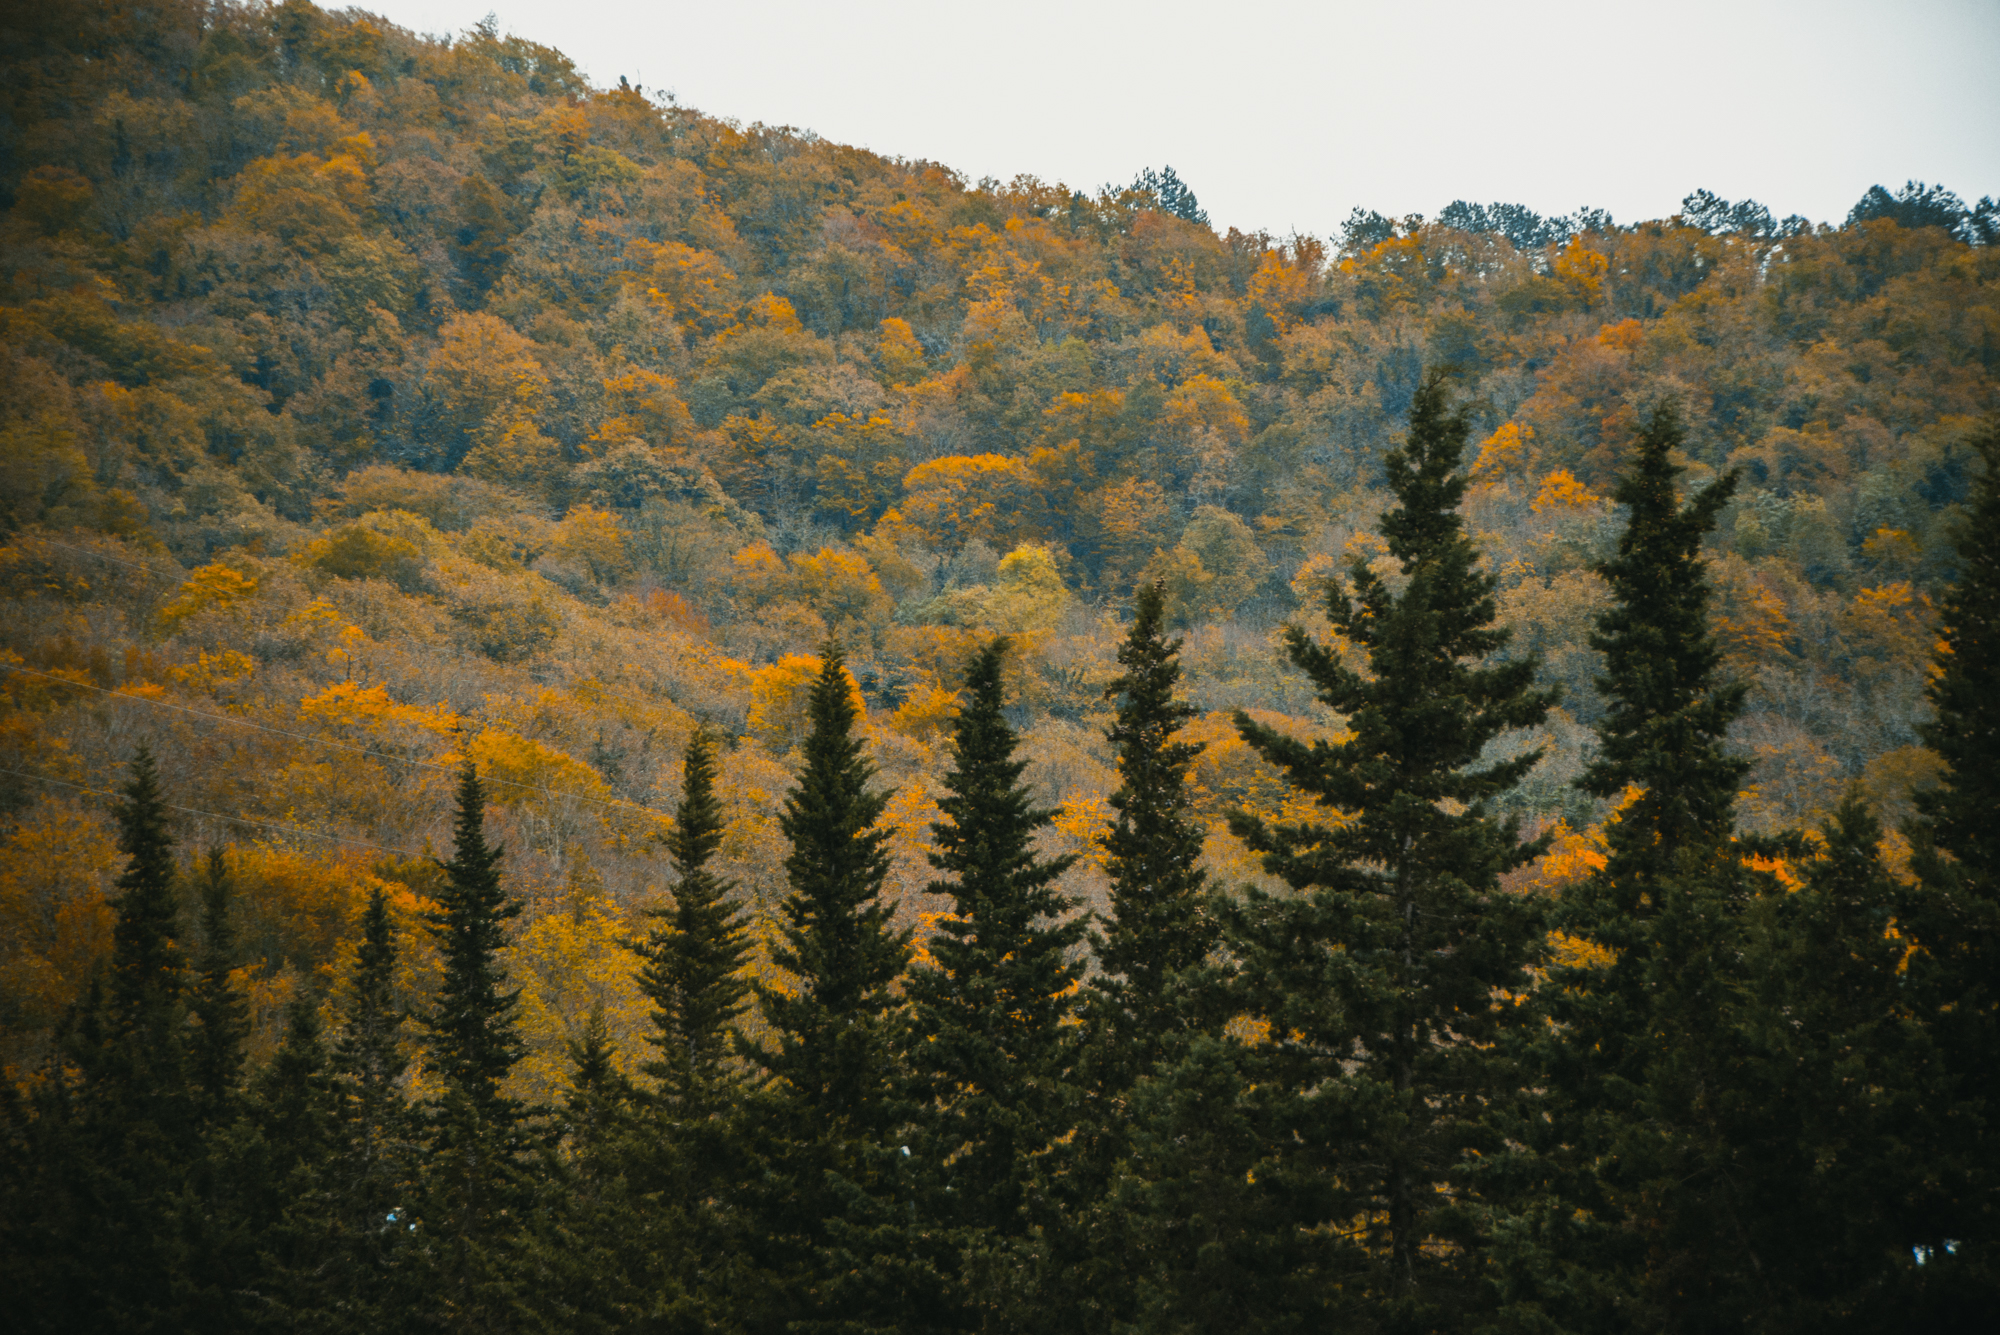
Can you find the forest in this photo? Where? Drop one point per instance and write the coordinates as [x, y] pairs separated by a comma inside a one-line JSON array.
[[612, 720]]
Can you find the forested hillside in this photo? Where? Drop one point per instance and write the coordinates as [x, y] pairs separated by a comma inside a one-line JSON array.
[[381, 410]]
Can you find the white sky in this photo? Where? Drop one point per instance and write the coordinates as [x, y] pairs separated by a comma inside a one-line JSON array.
[[1285, 115]]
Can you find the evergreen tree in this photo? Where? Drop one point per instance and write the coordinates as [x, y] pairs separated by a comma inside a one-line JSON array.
[[1840, 1107], [1643, 1215], [116, 1151], [148, 967], [474, 1041], [833, 1046], [1152, 996], [219, 1006], [833, 1098], [990, 1049], [342, 1230], [473, 1190], [1161, 923], [368, 1052], [1383, 1067], [1956, 973], [296, 1100], [693, 958]]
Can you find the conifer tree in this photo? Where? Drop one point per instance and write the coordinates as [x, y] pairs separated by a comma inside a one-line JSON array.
[[834, 1096], [116, 1150], [473, 1190], [1161, 923], [296, 1100], [218, 1005], [1840, 1107], [148, 965], [367, 1053], [833, 1047], [990, 1048], [1957, 841], [1378, 980], [1644, 1215], [693, 957], [474, 1040]]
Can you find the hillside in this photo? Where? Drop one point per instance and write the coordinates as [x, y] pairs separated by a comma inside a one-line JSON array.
[[373, 403]]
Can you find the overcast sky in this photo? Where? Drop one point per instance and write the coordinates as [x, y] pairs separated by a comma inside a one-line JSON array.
[[1285, 116]]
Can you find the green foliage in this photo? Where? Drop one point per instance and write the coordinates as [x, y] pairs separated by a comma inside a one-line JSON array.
[[1162, 921], [694, 955], [990, 1047], [1379, 979]]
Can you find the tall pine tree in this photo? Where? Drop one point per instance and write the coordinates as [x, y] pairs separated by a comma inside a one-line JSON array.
[[1379, 978], [1643, 1217], [473, 1189], [992, 1049], [693, 957], [834, 1095], [219, 1006], [1957, 839], [1161, 923]]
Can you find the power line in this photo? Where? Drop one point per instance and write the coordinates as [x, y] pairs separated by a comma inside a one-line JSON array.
[[321, 741], [217, 815]]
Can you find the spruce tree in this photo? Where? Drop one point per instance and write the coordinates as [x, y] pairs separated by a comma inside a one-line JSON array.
[[1839, 1109], [368, 1051], [1956, 972], [834, 1097], [219, 1006], [833, 1049], [116, 1151], [1161, 923], [1383, 1080], [694, 956], [991, 1048], [1642, 1215], [473, 1192], [474, 1041], [148, 965]]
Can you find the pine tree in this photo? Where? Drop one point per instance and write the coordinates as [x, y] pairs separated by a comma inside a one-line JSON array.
[[368, 1052], [1153, 996], [473, 1192], [834, 1095], [1956, 972], [833, 1048], [1161, 923], [1643, 1215], [218, 1004], [296, 1099], [473, 1036], [991, 1049], [341, 1235], [1384, 1065], [148, 965], [116, 1151], [1839, 1108], [693, 958]]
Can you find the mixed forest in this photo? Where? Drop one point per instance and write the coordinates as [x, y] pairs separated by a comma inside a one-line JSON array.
[[612, 720]]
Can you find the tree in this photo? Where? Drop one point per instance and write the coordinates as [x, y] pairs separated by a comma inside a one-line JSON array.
[[693, 958], [1379, 979], [990, 1051], [473, 1037], [473, 1189], [832, 1099], [1161, 922], [219, 1006], [1957, 838], [1643, 1209], [1841, 1105]]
